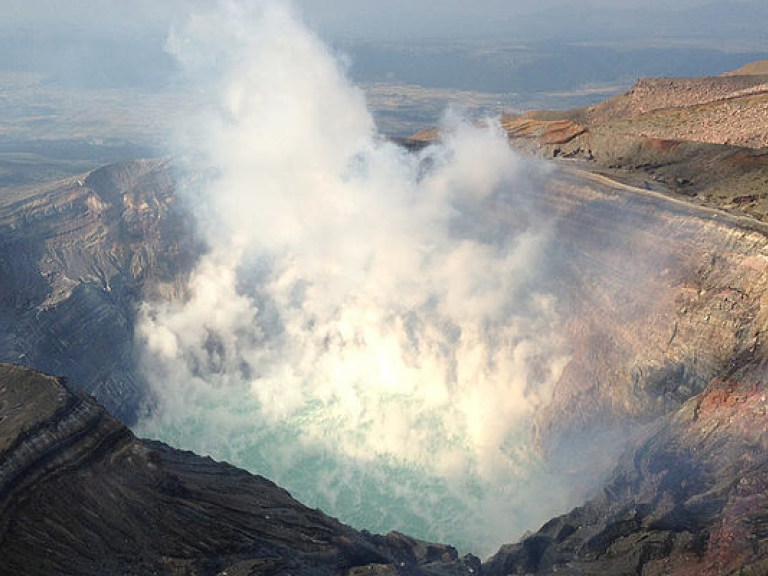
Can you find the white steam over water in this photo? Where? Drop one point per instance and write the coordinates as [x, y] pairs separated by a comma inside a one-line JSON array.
[[366, 328]]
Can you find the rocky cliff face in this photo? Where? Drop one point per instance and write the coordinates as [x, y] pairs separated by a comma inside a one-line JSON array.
[[658, 298], [75, 258], [79, 494], [685, 352], [691, 498]]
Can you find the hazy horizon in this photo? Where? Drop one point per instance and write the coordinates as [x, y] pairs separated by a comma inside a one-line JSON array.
[[88, 83], [333, 19]]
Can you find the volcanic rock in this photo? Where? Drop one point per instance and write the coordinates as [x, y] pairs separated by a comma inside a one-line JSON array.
[[692, 498], [79, 494], [76, 258]]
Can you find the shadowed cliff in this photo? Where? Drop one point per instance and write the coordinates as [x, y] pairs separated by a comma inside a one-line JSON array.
[[76, 257], [690, 498], [79, 494]]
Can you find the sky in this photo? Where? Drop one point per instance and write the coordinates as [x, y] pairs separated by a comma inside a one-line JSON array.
[[454, 18], [335, 18]]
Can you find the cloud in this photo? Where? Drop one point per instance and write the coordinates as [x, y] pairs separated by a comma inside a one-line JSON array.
[[366, 327]]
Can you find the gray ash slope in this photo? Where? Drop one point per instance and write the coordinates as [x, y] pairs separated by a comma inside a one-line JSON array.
[[79, 494]]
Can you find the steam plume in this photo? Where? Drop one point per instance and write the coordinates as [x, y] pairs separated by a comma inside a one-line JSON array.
[[365, 328]]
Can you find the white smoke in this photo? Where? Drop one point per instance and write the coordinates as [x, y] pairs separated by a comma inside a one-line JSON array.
[[366, 327]]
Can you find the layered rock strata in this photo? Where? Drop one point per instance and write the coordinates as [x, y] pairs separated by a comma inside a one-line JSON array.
[[76, 258], [79, 494]]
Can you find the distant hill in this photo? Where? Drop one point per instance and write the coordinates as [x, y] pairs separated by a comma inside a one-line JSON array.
[[759, 68]]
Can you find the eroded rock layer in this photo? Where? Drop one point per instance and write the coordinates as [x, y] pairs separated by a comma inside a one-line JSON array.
[[75, 259], [79, 494], [657, 298]]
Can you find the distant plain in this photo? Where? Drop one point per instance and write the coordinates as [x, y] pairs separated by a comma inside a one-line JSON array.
[[56, 125]]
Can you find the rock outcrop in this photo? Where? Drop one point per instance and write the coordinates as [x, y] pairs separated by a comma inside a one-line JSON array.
[[79, 494], [75, 259]]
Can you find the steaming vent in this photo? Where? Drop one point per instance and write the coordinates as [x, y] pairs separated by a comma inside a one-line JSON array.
[[368, 327]]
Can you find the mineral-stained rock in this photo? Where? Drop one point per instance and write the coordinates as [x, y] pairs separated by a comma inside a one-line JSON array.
[[691, 498], [79, 494]]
